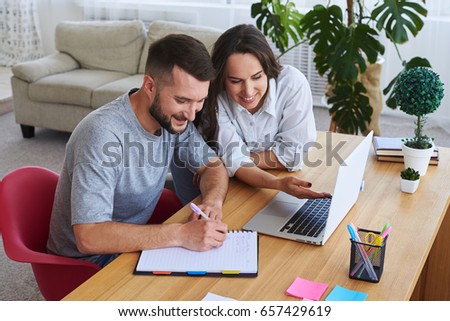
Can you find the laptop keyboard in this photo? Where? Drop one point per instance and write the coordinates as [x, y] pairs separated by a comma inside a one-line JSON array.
[[310, 219]]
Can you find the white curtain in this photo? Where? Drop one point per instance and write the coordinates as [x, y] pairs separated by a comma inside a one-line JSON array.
[[19, 32]]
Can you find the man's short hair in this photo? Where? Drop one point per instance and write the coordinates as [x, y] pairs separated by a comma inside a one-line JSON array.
[[179, 50]]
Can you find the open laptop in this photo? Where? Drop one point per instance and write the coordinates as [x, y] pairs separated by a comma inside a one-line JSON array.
[[313, 221]]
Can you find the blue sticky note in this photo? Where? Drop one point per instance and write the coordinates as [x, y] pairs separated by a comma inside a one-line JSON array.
[[342, 294]]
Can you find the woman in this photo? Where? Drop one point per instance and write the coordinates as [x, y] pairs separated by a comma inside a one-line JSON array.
[[258, 116]]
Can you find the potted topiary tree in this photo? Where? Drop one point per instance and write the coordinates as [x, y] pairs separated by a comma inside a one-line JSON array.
[[418, 92], [409, 180], [345, 48]]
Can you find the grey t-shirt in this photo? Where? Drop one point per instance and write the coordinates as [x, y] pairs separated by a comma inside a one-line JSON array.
[[114, 170]]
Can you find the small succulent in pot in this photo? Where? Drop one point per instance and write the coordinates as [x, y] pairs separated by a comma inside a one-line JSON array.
[[410, 174], [409, 181]]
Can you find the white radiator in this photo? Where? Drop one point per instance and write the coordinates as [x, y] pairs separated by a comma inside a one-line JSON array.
[[302, 57]]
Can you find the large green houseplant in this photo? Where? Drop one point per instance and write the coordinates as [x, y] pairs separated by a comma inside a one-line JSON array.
[[344, 49]]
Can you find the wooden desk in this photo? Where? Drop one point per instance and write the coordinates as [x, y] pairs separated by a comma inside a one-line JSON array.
[[415, 219]]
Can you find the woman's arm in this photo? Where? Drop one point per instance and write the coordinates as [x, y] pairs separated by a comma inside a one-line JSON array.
[[266, 160], [256, 177]]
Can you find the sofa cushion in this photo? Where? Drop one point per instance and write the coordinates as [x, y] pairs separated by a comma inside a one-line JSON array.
[[111, 91], [52, 64], [73, 87], [106, 45], [158, 29]]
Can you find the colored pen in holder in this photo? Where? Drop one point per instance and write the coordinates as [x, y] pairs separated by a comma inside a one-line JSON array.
[[367, 256]]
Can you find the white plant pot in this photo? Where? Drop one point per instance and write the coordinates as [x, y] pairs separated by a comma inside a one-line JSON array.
[[408, 186], [418, 159]]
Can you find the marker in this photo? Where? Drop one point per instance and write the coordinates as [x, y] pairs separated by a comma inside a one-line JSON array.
[[362, 253], [197, 210], [386, 230]]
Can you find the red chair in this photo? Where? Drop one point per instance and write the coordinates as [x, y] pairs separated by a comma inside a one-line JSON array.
[[26, 201], [168, 204]]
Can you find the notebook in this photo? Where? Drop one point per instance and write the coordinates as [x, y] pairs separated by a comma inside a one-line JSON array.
[[291, 218], [238, 256]]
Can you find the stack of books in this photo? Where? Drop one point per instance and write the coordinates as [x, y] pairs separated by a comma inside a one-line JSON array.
[[389, 149]]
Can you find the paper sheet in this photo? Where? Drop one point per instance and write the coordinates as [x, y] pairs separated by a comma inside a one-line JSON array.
[[215, 297]]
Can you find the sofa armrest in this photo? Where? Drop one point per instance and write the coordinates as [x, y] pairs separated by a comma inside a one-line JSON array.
[[56, 63]]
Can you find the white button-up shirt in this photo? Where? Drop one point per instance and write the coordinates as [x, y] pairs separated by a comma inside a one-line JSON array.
[[284, 124]]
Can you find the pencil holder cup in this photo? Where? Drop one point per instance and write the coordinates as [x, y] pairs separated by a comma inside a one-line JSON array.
[[367, 256]]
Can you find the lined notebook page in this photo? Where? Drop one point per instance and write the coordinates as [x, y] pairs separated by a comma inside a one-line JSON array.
[[238, 252]]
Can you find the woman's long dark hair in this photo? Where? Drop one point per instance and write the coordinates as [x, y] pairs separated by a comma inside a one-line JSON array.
[[241, 39]]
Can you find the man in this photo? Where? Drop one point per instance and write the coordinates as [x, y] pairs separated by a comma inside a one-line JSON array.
[[118, 156]]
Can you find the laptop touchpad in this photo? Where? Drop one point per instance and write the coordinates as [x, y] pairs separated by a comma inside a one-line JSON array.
[[281, 209]]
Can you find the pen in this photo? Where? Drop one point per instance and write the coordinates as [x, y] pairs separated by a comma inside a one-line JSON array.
[[197, 210], [386, 230], [368, 265]]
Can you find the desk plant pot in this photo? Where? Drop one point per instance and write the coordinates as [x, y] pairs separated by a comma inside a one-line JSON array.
[[417, 158], [409, 180]]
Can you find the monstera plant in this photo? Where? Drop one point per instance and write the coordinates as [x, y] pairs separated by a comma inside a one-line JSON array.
[[344, 48]]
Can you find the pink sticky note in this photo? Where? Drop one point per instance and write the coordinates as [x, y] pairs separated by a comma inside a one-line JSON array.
[[305, 289]]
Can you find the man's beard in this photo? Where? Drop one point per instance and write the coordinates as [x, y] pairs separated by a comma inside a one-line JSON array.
[[164, 120]]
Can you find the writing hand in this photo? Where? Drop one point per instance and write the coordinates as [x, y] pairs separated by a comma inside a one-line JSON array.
[[202, 235]]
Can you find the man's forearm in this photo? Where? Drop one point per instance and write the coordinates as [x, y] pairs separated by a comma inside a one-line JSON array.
[[119, 237], [214, 183]]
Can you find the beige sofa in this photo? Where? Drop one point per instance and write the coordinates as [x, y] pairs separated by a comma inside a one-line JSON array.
[[95, 62]]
